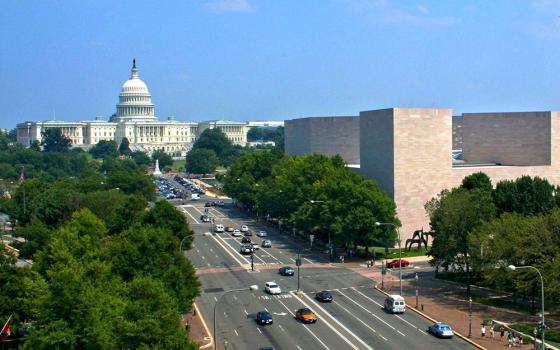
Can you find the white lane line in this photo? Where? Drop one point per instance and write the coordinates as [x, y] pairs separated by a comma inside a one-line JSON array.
[[305, 326], [234, 297], [209, 265], [297, 346], [371, 313], [237, 334], [232, 248], [357, 318], [292, 260], [258, 329], [198, 251], [272, 256], [309, 261], [317, 307], [217, 256], [215, 299], [282, 328], [246, 313], [227, 251], [203, 257], [189, 214]]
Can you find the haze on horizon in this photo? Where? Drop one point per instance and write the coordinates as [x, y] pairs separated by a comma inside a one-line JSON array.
[[276, 59]]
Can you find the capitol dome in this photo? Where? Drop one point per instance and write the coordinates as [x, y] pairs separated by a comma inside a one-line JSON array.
[[135, 101]]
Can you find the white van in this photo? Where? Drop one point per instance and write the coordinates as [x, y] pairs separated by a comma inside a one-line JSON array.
[[219, 228], [395, 304], [195, 196]]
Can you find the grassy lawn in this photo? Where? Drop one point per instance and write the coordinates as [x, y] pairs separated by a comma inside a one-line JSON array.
[[178, 165]]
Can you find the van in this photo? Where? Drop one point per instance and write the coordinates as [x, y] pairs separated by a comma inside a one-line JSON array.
[[219, 228], [395, 304], [195, 196]]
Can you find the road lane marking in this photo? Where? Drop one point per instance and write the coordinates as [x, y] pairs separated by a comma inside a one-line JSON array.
[[227, 251], [309, 261], [258, 329], [297, 346], [374, 315], [306, 327], [237, 334], [357, 318], [337, 322], [246, 313], [215, 299], [189, 214], [282, 328]]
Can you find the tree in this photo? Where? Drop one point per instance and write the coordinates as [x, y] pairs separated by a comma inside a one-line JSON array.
[[216, 140], [477, 181], [164, 215], [104, 149], [164, 158], [54, 141], [124, 147], [140, 158], [453, 216], [131, 182], [201, 161], [35, 146], [525, 195]]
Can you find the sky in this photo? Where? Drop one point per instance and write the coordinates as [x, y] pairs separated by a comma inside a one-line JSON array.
[[277, 59]]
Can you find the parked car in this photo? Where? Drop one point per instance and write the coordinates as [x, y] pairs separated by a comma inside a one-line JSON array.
[[264, 318], [324, 296], [395, 263], [305, 315], [286, 271], [266, 243], [261, 234], [272, 288], [441, 330]]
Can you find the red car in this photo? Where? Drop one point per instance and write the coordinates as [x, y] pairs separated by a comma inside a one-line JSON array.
[[395, 263]]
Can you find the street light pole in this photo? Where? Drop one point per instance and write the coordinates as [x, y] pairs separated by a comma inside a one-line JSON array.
[[543, 327], [252, 288], [400, 250], [470, 317]]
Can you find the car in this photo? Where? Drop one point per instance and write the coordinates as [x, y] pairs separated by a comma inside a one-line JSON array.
[[229, 229], [248, 233], [204, 218], [255, 246], [246, 249], [207, 204], [305, 315], [220, 203], [395, 304], [272, 288], [395, 263], [286, 271], [264, 318], [441, 330], [244, 228], [236, 233], [266, 243], [266, 348], [261, 234], [245, 240], [324, 296], [219, 228]]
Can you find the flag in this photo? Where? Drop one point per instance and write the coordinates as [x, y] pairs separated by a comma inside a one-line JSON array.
[[21, 176], [6, 330]]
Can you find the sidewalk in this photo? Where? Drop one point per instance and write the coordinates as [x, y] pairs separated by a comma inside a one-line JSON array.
[[433, 302]]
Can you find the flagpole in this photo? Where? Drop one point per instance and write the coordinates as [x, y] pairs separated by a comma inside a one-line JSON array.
[[6, 324]]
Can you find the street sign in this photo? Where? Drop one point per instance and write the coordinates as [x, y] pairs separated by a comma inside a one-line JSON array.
[[298, 262]]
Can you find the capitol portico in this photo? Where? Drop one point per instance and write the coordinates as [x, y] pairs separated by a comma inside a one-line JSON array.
[[135, 119]]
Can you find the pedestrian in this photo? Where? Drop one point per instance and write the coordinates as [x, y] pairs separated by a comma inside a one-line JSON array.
[[483, 330], [502, 331], [520, 339], [492, 330], [367, 263], [510, 339]]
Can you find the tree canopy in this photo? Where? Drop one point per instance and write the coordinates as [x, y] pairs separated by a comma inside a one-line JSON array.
[[215, 140], [54, 140], [164, 159], [201, 161], [124, 147], [104, 148]]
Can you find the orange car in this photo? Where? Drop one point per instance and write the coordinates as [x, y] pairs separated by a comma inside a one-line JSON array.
[[306, 316]]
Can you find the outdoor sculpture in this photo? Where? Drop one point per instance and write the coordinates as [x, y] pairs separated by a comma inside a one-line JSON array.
[[418, 237]]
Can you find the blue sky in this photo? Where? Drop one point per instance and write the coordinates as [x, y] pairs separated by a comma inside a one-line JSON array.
[[277, 59]]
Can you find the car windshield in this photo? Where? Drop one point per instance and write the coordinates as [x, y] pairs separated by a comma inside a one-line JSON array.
[[272, 285], [444, 328], [305, 312]]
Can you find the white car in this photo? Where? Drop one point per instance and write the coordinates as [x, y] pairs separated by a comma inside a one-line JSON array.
[[261, 234], [272, 288], [244, 228], [255, 246], [236, 233]]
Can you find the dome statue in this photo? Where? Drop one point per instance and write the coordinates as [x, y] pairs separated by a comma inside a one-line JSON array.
[[135, 101]]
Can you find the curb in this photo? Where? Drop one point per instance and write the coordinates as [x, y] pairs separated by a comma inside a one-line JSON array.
[[478, 346], [211, 342]]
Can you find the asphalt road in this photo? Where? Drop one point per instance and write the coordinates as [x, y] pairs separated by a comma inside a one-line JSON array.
[[354, 320]]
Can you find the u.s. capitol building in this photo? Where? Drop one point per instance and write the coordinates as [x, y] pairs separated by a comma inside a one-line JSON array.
[[136, 120]]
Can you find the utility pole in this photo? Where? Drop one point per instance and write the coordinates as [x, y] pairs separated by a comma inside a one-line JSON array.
[[470, 317], [298, 264], [416, 278]]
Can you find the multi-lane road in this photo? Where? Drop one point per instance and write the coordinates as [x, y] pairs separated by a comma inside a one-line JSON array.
[[354, 320]]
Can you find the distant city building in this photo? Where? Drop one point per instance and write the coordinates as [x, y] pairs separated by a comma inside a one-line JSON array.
[[266, 124], [135, 119], [409, 151]]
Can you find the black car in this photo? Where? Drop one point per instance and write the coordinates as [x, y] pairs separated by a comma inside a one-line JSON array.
[[207, 204], [264, 317], [245, 240], [286, 271], [324, 296]]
